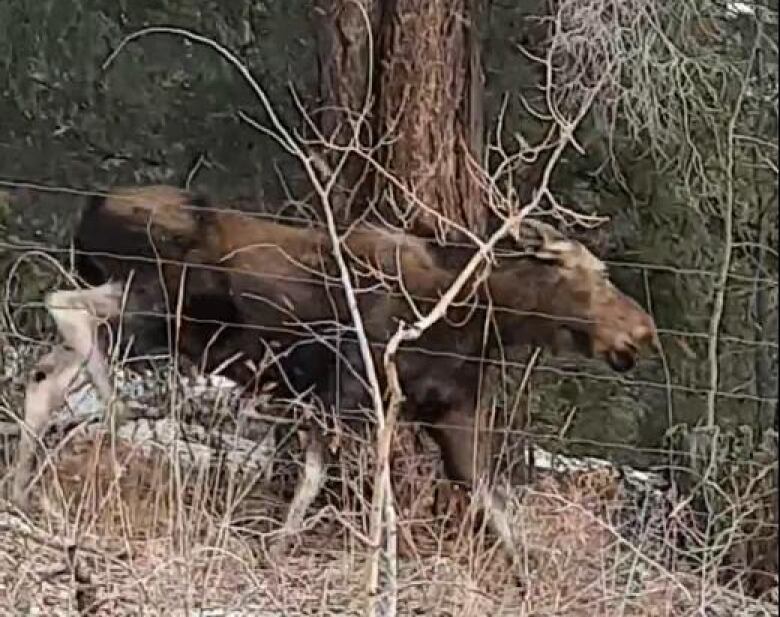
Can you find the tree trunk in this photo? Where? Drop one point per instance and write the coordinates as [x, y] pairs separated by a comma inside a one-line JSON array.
[[345, 29], [426, 109], [431, 110], [761, 307], [760, 316]]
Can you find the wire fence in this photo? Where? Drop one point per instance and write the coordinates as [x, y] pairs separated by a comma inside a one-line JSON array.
[[624, 506], [340, 332], [313, 222], [673, 524]]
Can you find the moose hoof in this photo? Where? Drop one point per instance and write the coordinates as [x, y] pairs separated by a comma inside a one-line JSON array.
[[20, 499], [279, 549], [118, 413]]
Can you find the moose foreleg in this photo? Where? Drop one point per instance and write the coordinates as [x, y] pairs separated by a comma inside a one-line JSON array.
[[47, 386], [76, 314], [468, 462], [493, 504], [308, 487]]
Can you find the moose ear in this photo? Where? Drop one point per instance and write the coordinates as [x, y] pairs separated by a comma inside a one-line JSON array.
[[543, 241], [548, 244], [560, 251], [535, 233]]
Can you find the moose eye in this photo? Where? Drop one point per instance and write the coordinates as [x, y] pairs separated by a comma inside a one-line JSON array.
[[38, 376]]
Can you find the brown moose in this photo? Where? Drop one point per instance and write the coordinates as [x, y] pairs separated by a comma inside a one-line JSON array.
[[219, 273]]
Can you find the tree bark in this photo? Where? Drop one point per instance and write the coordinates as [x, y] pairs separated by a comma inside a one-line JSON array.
[[431, 108], [345, 29], [425, 96], [760, 317]]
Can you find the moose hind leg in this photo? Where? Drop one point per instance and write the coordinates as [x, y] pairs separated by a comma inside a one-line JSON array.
[[309, 485], [468, 461], [76, 313], [47, 387]]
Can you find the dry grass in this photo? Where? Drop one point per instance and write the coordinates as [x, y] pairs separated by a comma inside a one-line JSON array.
[[137, 534], [121, 528]]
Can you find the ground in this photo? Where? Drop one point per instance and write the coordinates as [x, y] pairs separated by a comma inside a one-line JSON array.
[[145, 524]]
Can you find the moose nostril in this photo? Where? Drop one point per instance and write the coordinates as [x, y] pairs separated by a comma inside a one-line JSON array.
[[38, 376], [621, 361]]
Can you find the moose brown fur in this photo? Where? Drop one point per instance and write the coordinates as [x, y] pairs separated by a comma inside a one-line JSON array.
[[213, 267]]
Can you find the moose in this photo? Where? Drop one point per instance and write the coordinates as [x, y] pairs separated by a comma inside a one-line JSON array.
[[221, 285]]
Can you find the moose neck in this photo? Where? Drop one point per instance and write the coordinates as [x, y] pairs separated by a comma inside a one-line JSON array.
[[534, 303]]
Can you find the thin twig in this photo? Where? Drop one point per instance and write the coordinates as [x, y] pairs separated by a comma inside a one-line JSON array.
[[728, 241]]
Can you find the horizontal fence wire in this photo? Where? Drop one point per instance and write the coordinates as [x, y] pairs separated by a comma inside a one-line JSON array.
[[505, 363], [334, 281], [553, 443], [295, 329], [346, 416], [344, 228]]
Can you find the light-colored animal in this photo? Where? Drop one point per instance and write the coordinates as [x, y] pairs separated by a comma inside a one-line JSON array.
[[277, 287]]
